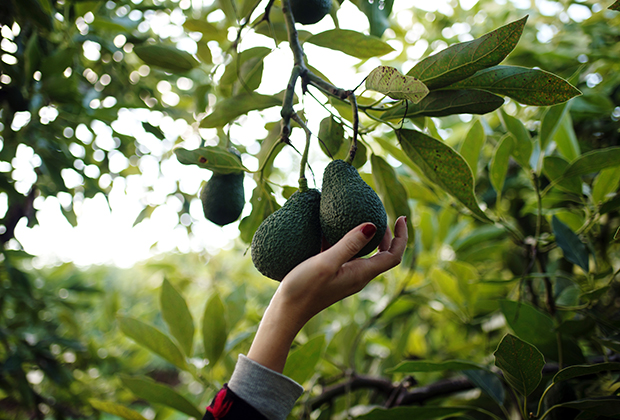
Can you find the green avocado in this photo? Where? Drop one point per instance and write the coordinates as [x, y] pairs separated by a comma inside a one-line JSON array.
[[308, 12], [288, 236], [223, 198], [346, 202]]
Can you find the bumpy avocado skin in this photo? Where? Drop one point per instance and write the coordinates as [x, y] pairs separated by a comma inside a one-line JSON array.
[[288, 236], [308, 12], [223, 198], [346, 202]]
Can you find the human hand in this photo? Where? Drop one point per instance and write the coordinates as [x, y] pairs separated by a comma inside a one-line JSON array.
[[319, 282]]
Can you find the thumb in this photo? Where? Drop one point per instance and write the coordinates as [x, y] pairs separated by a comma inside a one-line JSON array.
[[351, 243]]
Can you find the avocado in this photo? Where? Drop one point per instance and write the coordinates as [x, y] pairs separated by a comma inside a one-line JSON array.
[[346, 202], [223, 198], [288, 236], [308, 12]]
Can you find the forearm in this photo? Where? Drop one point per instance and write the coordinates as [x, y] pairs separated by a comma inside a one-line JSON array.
[[275, 334]]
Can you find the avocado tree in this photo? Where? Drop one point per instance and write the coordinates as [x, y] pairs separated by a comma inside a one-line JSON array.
[[497, 137]]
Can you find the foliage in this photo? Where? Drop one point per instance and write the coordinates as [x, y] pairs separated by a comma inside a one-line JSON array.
[[509, 283]]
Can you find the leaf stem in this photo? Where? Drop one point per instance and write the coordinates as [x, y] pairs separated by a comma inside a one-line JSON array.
[[303, 182], [542, 397]]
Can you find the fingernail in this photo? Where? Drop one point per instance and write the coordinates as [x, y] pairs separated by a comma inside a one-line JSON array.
[[405, 219], [369, 230]]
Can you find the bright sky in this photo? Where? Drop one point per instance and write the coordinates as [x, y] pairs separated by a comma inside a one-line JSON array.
[[105, 234]]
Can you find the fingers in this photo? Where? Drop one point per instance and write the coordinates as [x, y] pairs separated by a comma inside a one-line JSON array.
[[386, 241], [350, 244]]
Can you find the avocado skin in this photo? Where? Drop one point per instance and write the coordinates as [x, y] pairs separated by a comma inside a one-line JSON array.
[[308, 12], [223, 198], [288, 236], [346, 202]]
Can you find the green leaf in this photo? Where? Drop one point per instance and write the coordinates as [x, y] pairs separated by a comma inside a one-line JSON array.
[[392, 193], [391, 82], [351, 42], [263, 204], [489, 383], [213, 158], [554, 167], [615, 6], [499, 163], [115, 409], [176, 314], [550, 122], [214, 329], [566, 139], [203, 52], [605, 184], [301, 363], [574, 250], [227, 110], [521, 363], [151, 338], [167, 57], [331, 136], [583, 370], [527, 86], [378, 14], [603, 406], [447, 102], [415, 366], [522, 150], [246, 68], [594, 161], [418, 413], [235, 305], [156, 131], [462, 60], [157, 393], [471, 146], [443, 166], [209, 31]]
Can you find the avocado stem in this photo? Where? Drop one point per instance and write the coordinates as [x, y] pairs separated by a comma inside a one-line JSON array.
[[303, 183]]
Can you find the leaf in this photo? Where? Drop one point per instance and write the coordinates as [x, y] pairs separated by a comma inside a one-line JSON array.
[[462, 60], [213, 158], [521, 363], [116, 409], [583, 370], [489, 383], [247, 68], [554, 167], [203, 52], [416, 366], [157, 393], [176, 314], [615, 6], [566, 139], [418, 413], [550, 122], [214, 329], [471, 146], [301, 363], [527, 86], [443, 166], [606, 183], [209, 31], [151, 338], [499, 163], [603, 406], [391, 82], [574, 250], [235, 306], [331, 136], [378, 13], [523, 146], [263, 204], [156, 131], [447, 102], [392, 193], [594, 161], [167, 57], [351, 42], [227, 110]]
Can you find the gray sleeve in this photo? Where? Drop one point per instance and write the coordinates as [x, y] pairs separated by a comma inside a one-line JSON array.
[[270, 392]]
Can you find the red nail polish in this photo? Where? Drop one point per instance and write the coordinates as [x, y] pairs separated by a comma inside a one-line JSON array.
[[369, 230]]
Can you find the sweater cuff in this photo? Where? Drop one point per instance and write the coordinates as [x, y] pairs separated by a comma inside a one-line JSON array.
[[270, 392]]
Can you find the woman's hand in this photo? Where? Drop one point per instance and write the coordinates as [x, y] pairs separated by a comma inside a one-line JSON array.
[[319, 282]]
